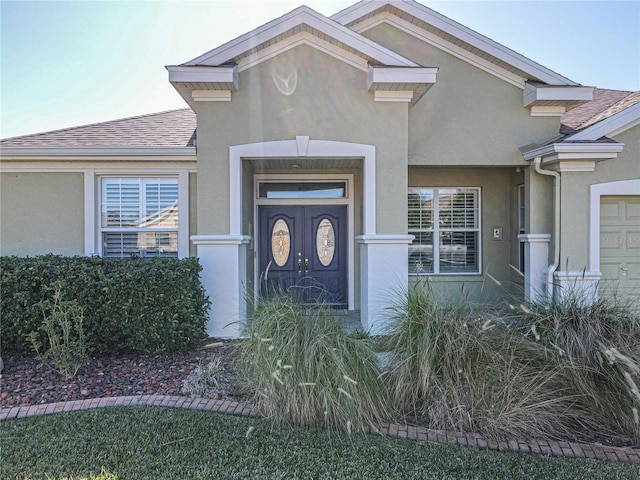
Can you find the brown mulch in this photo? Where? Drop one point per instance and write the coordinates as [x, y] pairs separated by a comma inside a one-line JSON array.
[[23, 383]]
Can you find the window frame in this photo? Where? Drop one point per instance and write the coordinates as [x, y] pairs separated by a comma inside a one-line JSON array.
[[93, 205], [437, 230]]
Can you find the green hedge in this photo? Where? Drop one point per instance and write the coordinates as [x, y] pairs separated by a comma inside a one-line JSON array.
[[132, 305]]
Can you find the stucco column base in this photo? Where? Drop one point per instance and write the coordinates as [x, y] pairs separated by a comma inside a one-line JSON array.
[[536, 265], [581, 286], [384, 275], [224, 261]]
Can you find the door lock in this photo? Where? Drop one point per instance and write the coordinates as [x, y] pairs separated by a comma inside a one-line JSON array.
[[299, 266], [306, 265]]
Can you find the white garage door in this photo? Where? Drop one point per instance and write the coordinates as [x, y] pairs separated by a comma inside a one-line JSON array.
[[620, 245]]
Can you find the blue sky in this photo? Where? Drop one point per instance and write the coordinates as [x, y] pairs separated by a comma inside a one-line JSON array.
[[71, 63]]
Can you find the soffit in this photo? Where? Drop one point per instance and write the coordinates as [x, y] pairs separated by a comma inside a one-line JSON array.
[[306, 163]]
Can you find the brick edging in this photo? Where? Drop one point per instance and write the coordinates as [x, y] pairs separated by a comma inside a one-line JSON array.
[[551, 448]]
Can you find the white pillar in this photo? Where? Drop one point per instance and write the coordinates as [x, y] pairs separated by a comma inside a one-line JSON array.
[[224, 270], [536, 265], [581, 286], [384, 276]]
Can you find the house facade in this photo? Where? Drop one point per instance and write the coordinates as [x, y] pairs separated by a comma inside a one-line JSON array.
[[346, 158]]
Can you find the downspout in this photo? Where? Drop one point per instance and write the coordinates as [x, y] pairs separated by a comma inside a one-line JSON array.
[[556, 228]]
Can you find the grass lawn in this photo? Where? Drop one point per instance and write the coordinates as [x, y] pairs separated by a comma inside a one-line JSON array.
[[154, 442]]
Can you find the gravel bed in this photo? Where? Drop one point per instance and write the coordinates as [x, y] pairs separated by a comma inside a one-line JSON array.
[[23, 383]]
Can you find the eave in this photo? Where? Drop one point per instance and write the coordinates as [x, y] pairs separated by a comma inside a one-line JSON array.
[[360, 17], [154, 154], [611, 126], [400, 84], [554, 100], [190, 79], [574, 157]]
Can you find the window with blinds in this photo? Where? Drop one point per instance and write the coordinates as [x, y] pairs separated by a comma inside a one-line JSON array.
[[139, 216], [446, 225]]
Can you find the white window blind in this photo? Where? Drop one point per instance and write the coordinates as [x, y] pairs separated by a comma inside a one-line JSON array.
[[139, 216], [446, 226]]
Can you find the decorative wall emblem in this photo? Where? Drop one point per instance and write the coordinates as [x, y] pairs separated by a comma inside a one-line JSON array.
[[325, 242], [280, 242]]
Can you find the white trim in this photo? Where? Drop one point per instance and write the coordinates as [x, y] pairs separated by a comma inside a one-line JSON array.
[[459, 31], [445, 46], [92, 199], [385, 239], [348, 201], [183, 214], [314, 148], [220, 239], [90, 220], [383, 76], [81, 166], [178, 153], [393, 96], [303, 38], [534, 93], [204, 74], [612, 126], [300, 16], [211, 95], [437, 229], [547, 111], [623, 187], [576, 151]]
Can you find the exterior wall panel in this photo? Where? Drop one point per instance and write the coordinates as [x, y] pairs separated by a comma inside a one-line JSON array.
[[42, 213]]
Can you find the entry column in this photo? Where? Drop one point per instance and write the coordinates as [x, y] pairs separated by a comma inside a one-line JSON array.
[[224, 270], [384, 276]]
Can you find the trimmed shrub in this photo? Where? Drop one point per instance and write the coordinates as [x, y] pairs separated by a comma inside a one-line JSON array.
[[131, 305]]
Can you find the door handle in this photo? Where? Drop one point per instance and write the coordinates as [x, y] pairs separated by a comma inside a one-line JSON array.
[[299, 266], [306, 265]]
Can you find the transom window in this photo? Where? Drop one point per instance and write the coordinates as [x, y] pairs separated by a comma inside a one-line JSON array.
[[446, 226], [139, 216]]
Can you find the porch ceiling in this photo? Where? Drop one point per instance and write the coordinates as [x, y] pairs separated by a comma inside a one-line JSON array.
[[304, 163]]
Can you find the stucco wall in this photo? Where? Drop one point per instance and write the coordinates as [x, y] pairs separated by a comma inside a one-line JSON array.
[[575, 198], [41, 213], [496, 186], [469, 117], [329, 102]]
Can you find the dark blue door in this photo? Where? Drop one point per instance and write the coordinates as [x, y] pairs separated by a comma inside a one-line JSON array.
[[303, 252]]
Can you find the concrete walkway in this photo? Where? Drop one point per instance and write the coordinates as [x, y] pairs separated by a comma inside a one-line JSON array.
[[542, 447]]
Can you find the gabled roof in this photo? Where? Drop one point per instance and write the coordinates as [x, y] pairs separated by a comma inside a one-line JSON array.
[[368, 13], [174, 128], [214, 75], [301, 19], [592, 112], [613, 120]]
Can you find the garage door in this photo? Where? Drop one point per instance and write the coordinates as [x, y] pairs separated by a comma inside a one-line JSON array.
[[620, 245]]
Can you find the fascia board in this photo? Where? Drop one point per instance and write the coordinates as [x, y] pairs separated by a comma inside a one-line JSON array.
[[458, 30], [181, 73], [71, 152], [300, 16], [627, 118], [357, 10], [537, 93], [422, 75], [570, 148]]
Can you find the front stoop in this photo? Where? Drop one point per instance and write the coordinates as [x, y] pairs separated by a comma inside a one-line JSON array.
[[549, 448]]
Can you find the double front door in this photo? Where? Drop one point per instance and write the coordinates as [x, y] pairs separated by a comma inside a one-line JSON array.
[[303, 252]]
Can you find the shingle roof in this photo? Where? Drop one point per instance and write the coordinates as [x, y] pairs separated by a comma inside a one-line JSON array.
[[605, 103], [174, 128]]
